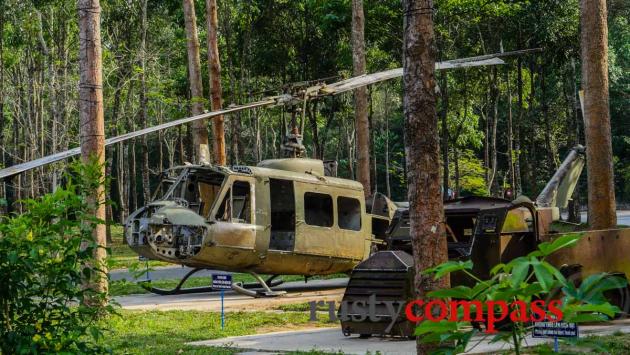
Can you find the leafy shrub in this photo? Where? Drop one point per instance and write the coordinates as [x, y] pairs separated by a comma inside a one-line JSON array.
[[519, 282], [46, 257]]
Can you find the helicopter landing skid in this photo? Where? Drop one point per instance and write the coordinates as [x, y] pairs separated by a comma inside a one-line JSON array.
[[265, 292], [178, 290]]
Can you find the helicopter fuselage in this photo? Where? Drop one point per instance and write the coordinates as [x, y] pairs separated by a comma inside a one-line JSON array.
[[280, 217]]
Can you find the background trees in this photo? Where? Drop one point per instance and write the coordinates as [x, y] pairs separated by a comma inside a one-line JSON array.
[[266, 44]]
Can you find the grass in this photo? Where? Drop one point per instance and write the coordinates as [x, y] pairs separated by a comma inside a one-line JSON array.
[[166, 332], [124, 287], [616, 344]]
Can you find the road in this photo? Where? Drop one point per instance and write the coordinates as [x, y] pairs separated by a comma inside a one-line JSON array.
[[623, 217], [297, 292]]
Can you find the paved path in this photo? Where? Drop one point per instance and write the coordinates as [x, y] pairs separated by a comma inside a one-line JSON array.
[[623, 217], [331, 340], [297, 292]]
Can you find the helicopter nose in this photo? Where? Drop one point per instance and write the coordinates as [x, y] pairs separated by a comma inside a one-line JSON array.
[[177, 241]]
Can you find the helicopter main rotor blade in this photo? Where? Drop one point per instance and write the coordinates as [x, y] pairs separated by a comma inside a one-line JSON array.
[[19, 168], [369, 79]]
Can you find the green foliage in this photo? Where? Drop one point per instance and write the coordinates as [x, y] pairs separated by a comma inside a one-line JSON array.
[[524, 279], [46, 262]]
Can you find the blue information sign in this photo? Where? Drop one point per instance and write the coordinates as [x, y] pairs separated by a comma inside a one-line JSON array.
[[555, 330], [221, 281]]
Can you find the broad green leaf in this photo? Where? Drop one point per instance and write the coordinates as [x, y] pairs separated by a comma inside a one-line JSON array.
[[519, 273], [586, 318], [462, 292], [544, 277], [564, 241], [435, 327], [449, 267]]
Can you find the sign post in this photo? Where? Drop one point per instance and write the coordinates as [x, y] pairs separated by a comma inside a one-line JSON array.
[[555, 330], [146, 264], [222, 282]]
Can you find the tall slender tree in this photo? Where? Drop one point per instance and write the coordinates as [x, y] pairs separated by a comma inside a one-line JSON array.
[[146, 187], [599, 160], [422, 147], [199, 127], [214, 70], [92, 120], [361, 98]]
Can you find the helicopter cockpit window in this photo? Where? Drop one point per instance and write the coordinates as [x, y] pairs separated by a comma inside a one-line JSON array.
[[318, 209], [236, 205], [199, 190], [349, 213]]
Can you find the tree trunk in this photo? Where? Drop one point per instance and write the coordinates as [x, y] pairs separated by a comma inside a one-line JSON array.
[[360, 98], [2, 123], [422, 149], [214, 70], [574, 205], [92, 122], [457, 174], [519, 123], [510, 137], [444, 116], [199, 127], [494, 106], [599, 164], [551, 160], [388, 188], [146, 187]]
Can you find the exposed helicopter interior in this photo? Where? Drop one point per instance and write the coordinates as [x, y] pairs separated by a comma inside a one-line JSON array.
[[236, 204], [282, 202], [196, 189]]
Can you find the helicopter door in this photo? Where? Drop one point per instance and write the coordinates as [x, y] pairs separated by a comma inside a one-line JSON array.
[[282, 202], [234, 226]]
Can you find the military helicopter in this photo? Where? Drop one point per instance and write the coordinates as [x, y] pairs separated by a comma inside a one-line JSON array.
[[287, 216]]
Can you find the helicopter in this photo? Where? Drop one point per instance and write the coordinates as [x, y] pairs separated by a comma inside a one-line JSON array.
[[288, 216]]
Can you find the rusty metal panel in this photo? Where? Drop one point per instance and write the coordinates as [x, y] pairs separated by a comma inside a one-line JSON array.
[[597, 251], [235, 235]]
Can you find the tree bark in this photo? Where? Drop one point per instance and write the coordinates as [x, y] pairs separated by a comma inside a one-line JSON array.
[[5, 195], [494, 106], [360, 98], [92, 122], [388, 188], [214, 70], [422, 148], [199, 127], [599, 163], [444, 115], [551, 160], [146, 187], [519, 123], [510, 136]]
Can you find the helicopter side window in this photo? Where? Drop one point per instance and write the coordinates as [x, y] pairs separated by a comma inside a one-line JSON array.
[[318, 209], [236, 205], [349, 213]]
